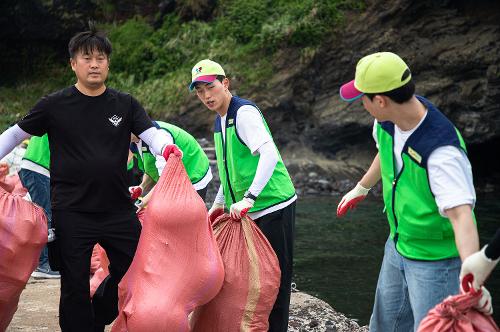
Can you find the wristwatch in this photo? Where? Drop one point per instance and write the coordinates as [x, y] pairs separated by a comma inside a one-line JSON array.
[[249, 195]]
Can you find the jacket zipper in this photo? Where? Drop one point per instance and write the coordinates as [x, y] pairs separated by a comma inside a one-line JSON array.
[[394, 184], [224, 137]]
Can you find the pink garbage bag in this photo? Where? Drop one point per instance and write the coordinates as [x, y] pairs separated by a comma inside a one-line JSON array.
[[17, 187], [177, 266], [102, 270], [23, 233], [457, 314], [251, 283], [4, 171], [95, 259]]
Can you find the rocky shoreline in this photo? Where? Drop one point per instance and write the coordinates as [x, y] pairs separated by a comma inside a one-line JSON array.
[[313, 174], [39, 303]]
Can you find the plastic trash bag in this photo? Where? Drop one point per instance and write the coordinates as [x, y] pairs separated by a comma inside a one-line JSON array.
[[177, 266], [251, 283], [457, 314], [12, 184], [102, 270], [23, 233], [95, 259]]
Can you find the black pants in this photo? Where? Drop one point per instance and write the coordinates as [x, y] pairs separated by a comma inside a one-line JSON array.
[[203, 193], [77, 232], [279, 228]]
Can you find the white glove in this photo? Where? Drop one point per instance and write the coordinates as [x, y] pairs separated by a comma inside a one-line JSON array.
[[484, 304], [239, 209], [216, 210], [139, 204], [215, 207], [479, 266], [350, 199]]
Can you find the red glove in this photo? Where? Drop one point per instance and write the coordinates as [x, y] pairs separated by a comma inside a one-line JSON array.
[[135, 192], [484, 305], [351, 199], [169, 149]]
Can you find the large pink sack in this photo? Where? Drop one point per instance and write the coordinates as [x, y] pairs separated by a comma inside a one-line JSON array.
[[23, 233], [457, 314], [102, 268], [102, 262], [251, 284], [12, 184], [177, 266], [95, 259]]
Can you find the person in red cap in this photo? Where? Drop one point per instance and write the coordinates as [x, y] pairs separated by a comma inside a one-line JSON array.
[[427, 190], [89, 127]]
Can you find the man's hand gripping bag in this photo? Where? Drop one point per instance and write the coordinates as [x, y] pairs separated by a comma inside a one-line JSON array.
[[23, 233], [177, 266], [251, 284], [458, 314]]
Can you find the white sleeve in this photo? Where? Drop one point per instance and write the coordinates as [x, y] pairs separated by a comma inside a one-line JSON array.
[[450, 178], [156, 139], [374, 132], [250, 128], [10, 138], [219, 198], [265, 168]]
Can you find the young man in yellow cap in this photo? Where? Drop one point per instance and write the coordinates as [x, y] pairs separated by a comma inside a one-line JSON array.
[[427, 190], [253, 176]]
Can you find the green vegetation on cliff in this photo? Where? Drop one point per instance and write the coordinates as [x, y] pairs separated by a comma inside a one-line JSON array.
[[154, 65]]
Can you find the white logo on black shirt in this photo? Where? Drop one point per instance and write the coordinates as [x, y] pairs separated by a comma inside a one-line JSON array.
[[115, 120]]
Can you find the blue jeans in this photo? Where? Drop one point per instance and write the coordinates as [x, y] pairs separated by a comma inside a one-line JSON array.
[[38, 186], [407, 289]]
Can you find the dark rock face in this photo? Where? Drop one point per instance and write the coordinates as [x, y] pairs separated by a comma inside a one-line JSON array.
[[453, 50]]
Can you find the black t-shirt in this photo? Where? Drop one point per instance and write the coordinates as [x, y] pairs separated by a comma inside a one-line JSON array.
[[89, 141]]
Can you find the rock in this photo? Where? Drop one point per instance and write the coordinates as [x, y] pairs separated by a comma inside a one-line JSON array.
[[311, 314]]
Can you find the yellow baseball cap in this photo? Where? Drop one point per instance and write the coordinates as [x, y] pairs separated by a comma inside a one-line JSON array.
[[376, 73], [205, 71]]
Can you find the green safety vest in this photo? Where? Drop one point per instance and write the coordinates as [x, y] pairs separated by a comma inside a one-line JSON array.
[[416, 226], [38, 151], [237, 165], [193, 157]]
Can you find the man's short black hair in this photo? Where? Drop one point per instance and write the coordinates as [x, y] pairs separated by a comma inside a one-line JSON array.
[[220, 78], [89, 41], [399, 95]]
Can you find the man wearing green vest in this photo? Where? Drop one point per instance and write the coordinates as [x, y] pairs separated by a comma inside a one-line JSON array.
[[35, 176], [427, 189], [254, 179], [194, 159]]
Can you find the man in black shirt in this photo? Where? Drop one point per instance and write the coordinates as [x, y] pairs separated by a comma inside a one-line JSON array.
[[89, 127]]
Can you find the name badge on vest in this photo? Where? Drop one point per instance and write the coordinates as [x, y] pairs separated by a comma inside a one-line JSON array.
[[230, 122], [415, 155]]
